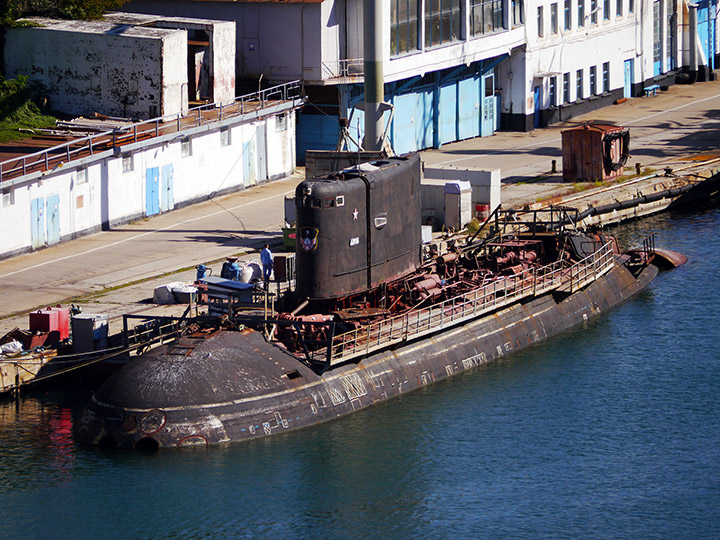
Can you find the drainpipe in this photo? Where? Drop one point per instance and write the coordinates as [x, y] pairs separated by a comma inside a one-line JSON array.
[[374, 83], [692, 20]]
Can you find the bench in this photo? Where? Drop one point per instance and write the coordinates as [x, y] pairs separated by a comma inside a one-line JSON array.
[[652, 89]]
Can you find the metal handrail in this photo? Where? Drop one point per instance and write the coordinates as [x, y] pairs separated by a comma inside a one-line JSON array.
[[497, 293], [349, 67], [109, 140]]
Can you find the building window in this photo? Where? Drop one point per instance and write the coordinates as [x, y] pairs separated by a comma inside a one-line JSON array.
[[82, 175], [619, 8], [606, 77], [225, 136], [593, 11], [540, 21], [518, 12], [8, 197], [442, 21], [581, 13], [486, 16], [553, 91], [403, 26], [593, 80], [553, 18], [127, 163], [186, 147], [566, 88], [672, 17], [579, 84], [568, 15], [631, 6], [606, 10]]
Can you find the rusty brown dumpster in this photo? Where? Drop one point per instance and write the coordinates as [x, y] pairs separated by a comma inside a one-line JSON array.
[[594, 152]]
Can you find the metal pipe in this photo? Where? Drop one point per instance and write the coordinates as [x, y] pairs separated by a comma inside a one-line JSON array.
[[692, 20], [374, 83]]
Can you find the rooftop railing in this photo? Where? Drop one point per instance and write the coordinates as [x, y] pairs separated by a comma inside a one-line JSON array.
[[57, 156]]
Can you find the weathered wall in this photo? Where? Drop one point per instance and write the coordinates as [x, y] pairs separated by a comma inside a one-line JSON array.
[[223, 62], [117, 74], [110, 188], [272, 39]]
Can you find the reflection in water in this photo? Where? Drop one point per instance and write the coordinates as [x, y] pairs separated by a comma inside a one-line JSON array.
[[36, 437]]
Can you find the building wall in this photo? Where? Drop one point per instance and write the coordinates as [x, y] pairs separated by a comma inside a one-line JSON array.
[[274, 40], [108, 189], [223, 62], [118, 75]]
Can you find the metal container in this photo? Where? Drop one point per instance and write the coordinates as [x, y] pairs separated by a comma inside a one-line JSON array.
[[593, 152], [89, 332], [55, 320]]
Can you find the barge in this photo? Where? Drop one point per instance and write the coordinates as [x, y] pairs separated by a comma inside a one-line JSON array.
[[374, 314]]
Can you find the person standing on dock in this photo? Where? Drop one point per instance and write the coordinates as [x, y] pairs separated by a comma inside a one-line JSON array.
[[266, 258]]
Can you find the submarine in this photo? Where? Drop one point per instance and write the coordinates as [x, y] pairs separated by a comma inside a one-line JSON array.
[[374, 314]]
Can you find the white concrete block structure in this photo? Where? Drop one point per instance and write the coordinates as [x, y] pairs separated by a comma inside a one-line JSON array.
[[146, 169], [126, 65]]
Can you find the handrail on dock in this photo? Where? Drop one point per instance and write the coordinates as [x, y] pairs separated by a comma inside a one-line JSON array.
[[492, 296]]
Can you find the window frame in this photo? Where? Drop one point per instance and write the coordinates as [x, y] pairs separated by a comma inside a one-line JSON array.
[[606, 77], [438, 22], [540, 22], [579, 84], [407, 25], [567, 10]]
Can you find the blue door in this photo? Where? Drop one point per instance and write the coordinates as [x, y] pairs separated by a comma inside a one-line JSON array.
[[628, 78], [404, 138], [167, 198], [536, 99], [707, 29], [469, 108], [424, 130], [447, 109], [53, 219], [37, 222], [487, 122], [152, 196]]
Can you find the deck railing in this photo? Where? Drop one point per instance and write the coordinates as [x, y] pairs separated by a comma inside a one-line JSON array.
[[486, 299], [114, 139]]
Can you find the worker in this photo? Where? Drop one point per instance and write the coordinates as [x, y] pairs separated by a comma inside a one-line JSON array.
[[266, 258]]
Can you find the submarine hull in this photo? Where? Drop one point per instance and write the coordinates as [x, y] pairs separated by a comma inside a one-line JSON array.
[[234, 385]]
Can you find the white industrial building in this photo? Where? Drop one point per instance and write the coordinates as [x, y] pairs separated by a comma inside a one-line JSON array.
[[455, 69], [198, 141], [126, 65], [49, 198]]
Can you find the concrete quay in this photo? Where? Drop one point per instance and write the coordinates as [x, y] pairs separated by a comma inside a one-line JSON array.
[[115, 272]]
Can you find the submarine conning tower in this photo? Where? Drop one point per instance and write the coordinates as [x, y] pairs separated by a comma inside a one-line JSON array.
[[358, 227]]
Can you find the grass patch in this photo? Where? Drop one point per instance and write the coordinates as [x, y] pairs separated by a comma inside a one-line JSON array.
[[19, 109]]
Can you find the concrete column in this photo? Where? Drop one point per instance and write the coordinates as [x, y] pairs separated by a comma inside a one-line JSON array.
[[374, 84], [693, 31]]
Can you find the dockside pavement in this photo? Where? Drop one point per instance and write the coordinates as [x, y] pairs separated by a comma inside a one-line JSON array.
[[115, 272]]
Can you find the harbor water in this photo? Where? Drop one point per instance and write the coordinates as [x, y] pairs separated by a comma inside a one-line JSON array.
[[611, 430]]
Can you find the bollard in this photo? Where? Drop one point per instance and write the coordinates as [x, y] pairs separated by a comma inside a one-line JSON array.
[[637, 169], [554, 166]]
